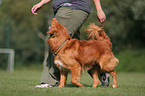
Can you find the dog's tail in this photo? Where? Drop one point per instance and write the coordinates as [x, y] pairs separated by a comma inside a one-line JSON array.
[[97, 33]]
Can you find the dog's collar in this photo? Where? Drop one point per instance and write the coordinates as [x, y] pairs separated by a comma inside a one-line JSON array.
[[56, 52]]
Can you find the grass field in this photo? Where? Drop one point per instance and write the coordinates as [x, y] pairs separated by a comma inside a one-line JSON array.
[[22, 83]]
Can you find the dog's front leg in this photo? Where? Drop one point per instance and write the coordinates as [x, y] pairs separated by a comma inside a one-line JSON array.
[[113, 74], [76, 74], [63, 76]]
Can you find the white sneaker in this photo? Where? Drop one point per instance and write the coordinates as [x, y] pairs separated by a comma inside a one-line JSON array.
[[43, 86], [104, 78]]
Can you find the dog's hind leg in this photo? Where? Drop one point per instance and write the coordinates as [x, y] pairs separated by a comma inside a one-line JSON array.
[[114, 75], [76, 72], [63, 76], [94, 73]]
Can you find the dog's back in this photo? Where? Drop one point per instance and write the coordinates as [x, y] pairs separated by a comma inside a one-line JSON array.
[[86, 53]]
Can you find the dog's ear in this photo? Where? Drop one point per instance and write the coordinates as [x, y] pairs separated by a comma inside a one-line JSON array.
[[53, 28], [54, 23], [52, 31]]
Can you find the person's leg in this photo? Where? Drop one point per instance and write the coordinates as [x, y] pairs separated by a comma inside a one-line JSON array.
[[50, 73], [71, 19], [104, 78]]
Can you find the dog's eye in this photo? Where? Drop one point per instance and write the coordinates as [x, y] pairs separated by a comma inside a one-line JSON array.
[[54, 35]]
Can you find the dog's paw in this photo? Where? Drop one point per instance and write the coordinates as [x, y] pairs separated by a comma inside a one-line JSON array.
[[114, 86], [60, 86]]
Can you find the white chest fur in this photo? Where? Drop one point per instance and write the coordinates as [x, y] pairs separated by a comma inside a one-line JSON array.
[[59, 64]]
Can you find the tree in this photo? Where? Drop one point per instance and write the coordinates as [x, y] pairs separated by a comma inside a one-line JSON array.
[[19, 27], [23, 26], [124, 23]]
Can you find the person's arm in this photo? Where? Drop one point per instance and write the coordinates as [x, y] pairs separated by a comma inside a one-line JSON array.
[[101, 15], [39, 5]]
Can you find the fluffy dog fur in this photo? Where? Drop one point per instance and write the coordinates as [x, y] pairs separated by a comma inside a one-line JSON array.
[[78, 55]]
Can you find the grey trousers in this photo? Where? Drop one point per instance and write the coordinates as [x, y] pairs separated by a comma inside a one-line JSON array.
[[72, 19]]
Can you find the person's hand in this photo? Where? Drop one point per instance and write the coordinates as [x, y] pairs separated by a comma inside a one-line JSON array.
[[101, 16], [35, 8]]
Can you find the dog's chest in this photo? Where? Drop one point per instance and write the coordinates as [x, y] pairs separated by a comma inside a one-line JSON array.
[[59, 64]]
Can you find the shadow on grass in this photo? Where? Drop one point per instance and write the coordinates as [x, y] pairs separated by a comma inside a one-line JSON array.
[[85, 85]]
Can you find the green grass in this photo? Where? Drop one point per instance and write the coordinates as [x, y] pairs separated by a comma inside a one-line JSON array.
[[131, 60], [22, 83]]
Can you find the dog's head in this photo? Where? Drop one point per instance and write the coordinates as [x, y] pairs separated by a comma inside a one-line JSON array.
[[58, 30]]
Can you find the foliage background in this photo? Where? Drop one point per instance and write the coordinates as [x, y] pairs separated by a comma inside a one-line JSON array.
[[125, 25]]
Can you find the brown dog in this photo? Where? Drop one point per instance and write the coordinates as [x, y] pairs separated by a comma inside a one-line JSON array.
[[76, 55]]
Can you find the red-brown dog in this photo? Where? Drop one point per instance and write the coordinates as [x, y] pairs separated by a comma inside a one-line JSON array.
[[76, 55]]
